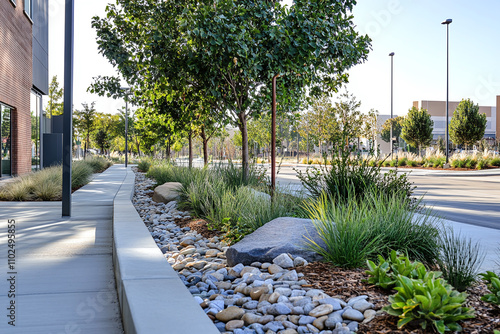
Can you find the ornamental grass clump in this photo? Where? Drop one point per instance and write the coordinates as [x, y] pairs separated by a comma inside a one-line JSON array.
[[460, 259], [495, 162], [354, 231], [45, 184], [98, 164]]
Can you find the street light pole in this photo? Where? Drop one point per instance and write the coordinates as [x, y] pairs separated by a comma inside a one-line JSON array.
[[447, 23], [392, 98], [68, 107], [126, 90]]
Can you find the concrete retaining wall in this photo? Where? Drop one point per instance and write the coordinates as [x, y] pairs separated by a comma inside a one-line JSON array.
[[152, 297]]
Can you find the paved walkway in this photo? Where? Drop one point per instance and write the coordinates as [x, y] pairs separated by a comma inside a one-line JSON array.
[[64, 281]]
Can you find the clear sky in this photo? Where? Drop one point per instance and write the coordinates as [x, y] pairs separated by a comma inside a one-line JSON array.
[[410, 29]]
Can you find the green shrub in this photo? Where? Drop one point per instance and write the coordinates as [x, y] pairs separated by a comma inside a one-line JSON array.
[[481, 164], [402, 162], [239, 211], [354, 231], [392, 163], [45, 184], [458, 163], [166, 172], [495, 162], [412, 163], [349, 176], [232, 175], [459, 259], [430, 302], [144, 165], [98, 164], [81, 173], [493, 282], [20, 189], [470, 163], [385, 273], [343, 228]]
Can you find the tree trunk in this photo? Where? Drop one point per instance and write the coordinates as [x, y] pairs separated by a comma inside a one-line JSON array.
[[190, 139], [205, 146], [244, 144]]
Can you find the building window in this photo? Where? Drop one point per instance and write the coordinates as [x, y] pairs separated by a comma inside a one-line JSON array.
[[36, 111], [28, 8], [5, 135], [13, 2]]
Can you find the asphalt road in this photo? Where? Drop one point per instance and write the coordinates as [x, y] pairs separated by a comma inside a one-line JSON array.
[[471, 200]]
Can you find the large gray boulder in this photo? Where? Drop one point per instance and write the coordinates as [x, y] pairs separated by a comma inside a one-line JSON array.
[[281, 235], [167, 192]]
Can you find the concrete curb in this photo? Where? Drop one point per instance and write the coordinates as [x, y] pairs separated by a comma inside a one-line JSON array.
[[152, 297]]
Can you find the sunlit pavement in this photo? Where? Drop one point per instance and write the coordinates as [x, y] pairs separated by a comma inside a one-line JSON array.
[[63, 269]]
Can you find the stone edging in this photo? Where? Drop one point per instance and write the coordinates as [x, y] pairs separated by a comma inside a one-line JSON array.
[[152, 297]]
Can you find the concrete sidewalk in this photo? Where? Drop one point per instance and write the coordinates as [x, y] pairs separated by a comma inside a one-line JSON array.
[[64, 280]]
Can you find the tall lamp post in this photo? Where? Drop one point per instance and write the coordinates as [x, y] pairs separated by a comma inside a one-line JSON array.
[[126, 90], [447, 23], [68, 107], [392, 98]]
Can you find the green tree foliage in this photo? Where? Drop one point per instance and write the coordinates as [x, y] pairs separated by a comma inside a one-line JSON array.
[[467, 125], [370, 127], [417, 128], [84, 123], [228, 51], [55, 105], [397, 127], [106, 128]]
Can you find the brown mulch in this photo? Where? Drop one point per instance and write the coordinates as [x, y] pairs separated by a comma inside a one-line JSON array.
[[347, 283], [450, 169], [200, 226]]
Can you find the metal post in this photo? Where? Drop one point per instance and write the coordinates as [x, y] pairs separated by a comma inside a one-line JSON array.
[[126, 131], [447, 23], [298, 147], [68, 107], [273, 138], [392, 99]]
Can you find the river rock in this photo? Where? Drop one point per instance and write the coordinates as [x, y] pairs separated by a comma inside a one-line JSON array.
[[231, 313], [167, 192], [281, 235]]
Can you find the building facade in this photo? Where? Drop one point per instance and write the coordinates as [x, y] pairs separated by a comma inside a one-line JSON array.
[[437, 110], [23, 81]]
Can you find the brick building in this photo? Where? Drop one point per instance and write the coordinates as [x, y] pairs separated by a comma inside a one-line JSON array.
[[23, 81]]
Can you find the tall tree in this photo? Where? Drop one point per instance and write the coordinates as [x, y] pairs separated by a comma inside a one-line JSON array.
[[106, 128], [245, 44], [84, 123], [370, 128], [230, 50], [417, 128], [467, 125], [54, 105], [397, 127]]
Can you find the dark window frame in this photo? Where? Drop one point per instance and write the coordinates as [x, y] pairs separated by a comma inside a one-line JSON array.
[[13, 2]]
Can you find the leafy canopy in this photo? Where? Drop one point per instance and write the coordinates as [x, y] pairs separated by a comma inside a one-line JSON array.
[[467, 125], [417, 128]]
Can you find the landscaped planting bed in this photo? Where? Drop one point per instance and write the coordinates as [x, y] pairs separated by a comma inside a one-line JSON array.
[[46, 184], [373, 216]]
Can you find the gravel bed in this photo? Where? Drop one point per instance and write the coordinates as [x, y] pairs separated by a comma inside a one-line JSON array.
[[260, 298]]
